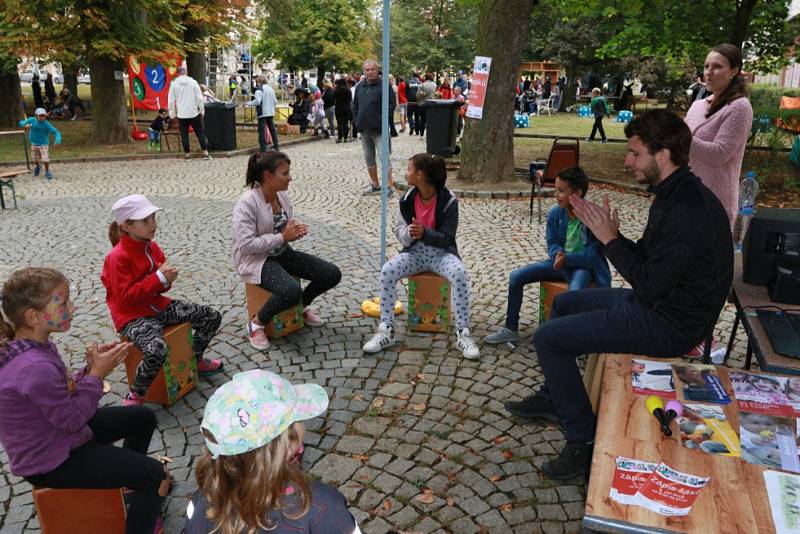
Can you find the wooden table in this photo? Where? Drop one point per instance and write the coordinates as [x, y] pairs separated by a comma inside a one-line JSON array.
[[747, 298], [735, 500]]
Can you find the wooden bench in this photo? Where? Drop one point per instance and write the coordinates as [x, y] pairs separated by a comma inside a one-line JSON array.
[[428, 303], [178, 376], [7, 180], [281, 324], [88, 511]]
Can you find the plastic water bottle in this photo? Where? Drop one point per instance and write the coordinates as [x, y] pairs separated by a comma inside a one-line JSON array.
[[748, 188]]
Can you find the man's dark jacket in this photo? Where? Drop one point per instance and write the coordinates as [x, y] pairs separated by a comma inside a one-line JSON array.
[[367, 106]]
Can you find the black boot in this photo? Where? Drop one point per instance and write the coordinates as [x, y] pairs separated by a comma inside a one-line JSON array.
[[534, 407], [574, 460]]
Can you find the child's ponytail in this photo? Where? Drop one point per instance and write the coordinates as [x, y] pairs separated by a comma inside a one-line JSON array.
[[6, 331], [433, 167], [263, 161], [113, 233]]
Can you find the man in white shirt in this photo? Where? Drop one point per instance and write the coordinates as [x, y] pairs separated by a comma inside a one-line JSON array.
[[264, 100], [187, 105]]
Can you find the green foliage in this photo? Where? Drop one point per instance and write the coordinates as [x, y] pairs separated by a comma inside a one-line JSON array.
[[431, 35], [675, 30], [311, 33], [765, 98]]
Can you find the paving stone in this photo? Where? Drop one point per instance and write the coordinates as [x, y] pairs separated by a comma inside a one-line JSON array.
[[387, 483], [551, 511], [355, 445], [335, 468]]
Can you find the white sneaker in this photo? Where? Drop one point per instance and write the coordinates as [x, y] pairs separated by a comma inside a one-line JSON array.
[[467, 345], [382, 339], [257, 336]]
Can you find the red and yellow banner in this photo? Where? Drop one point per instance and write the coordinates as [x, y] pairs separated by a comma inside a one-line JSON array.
[[480, 79]]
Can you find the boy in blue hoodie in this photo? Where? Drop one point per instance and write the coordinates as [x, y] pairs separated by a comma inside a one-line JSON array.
[[40, 131], [576, 256]]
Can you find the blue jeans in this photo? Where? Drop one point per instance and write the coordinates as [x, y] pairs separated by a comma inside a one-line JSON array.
[[601, 320], [539, 272]]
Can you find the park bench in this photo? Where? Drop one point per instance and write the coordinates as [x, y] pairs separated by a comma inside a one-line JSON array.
[[7, 180]]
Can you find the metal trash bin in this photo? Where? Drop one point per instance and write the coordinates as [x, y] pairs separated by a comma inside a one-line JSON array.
[[220, 125], [441, 126]]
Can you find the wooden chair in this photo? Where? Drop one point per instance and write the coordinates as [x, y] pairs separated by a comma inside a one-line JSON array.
[[7, 180], [89, 511], [563, 154]]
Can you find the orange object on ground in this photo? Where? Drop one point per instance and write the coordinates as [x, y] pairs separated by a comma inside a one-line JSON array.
[[281, 324], [790, 102], [428, 303]]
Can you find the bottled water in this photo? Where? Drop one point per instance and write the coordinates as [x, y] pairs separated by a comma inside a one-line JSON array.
[[748, 188]]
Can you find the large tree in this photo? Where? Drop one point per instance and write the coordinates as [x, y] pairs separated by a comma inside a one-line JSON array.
[[325, 35], [11, 102], [432, 35], [488, 152]]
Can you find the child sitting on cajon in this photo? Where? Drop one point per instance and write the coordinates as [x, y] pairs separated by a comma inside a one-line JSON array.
[[135, 275], [426, 225], [576, 256]]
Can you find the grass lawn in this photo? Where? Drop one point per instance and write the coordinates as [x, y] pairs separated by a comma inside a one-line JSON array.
[[778, 177], [75, 134]]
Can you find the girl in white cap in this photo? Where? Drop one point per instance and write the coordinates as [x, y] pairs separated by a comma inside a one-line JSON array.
[[136, 275], [249, 477], [39, 132]]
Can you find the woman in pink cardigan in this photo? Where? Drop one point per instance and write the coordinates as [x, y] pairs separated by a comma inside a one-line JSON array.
[[263, 228], [720, 125]]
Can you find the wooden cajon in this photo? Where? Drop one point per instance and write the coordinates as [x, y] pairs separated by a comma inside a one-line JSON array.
[[593, 378], [428, 303], [548, 291], [88, 511], [178, 375], [281, 324]]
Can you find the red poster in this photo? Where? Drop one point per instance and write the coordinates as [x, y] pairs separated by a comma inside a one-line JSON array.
[[670, 492], [480, 79], [149, 83]]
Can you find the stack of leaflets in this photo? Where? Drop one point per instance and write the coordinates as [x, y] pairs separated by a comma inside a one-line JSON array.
[[657, 487], [700, 383], [783, 490], [705, 427]]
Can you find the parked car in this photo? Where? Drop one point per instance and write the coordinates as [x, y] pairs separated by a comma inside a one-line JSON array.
[[26, 77]]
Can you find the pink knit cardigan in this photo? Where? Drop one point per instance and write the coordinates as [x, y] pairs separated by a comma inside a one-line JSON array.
[[718, 144]]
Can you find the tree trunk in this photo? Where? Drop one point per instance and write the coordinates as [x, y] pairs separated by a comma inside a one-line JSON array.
[[71, 77], [320, 75], [488, 152], [196, 59], [568, 98], [109, 106], [11, 104], [744, 11]]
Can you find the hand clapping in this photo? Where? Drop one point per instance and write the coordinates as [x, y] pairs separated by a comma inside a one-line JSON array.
[[415, 229], [602, 221], [294, 230]]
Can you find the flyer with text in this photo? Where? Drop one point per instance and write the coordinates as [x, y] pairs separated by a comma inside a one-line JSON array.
[[629, 476], [670, 492]]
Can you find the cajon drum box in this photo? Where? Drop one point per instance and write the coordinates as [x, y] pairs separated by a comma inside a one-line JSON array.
[[283, 323], [428, 303], [178, 375], [88, 511]]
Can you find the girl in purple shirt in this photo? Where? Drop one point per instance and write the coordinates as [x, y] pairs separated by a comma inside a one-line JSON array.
[[50, 426]]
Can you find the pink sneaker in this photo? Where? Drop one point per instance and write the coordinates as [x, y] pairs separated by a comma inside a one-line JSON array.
[[257, 336], [717, 352], [133, 399], [311, 318], [206, 367]]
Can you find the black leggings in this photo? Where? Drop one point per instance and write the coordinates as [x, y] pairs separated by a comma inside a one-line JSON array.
[[277, 277], [598, 126], [343, 117], [100, 465]]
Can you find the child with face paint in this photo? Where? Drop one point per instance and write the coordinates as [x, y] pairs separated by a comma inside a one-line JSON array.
[[50, 425], [135, 275]]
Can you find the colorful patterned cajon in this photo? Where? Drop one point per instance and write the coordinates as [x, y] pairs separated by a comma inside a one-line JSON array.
[[178, 375], [283, 323], [88, 511], [428, 303], [547, 292]]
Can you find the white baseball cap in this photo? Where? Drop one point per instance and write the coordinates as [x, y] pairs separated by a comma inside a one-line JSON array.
[[132, 208], [40, 111]]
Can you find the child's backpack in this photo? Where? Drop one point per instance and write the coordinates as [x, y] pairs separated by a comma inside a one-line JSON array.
[[599, 107], [412, 88], [794, 157]]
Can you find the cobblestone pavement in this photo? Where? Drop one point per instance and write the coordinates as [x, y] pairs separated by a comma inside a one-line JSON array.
[[415, 437]]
